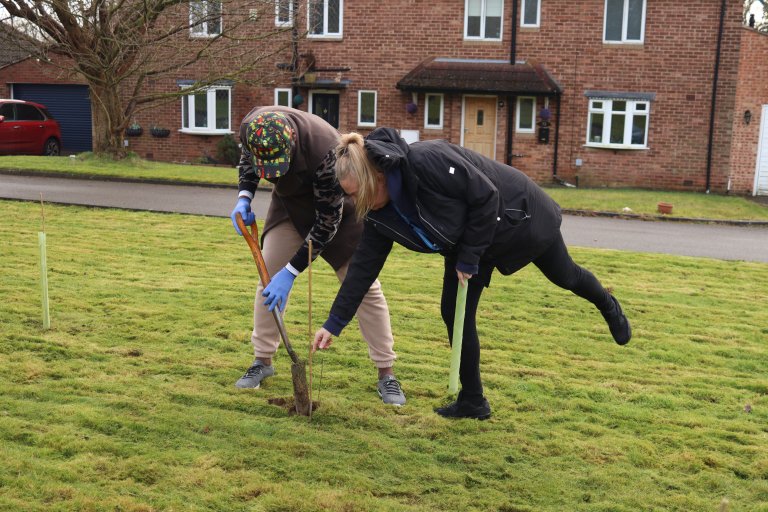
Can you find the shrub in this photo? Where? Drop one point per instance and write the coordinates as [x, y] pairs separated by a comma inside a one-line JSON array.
[[228, 150]]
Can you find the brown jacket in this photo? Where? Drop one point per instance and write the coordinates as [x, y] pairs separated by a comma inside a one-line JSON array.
[[309, 194]]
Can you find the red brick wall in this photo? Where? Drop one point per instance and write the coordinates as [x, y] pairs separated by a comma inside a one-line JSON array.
[[31, 71], [675, 62], [751, 94], [383, 41]]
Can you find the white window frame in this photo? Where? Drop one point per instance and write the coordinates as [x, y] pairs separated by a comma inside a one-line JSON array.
[[518, 128], [325, 34], [202, 30], [483, 16], [210, 105], [278, 21], [624, 25], [605, 106], [523, 4], [290, 96], [426, 111], [360, 122]]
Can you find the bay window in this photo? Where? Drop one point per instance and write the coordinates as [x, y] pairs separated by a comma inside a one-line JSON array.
[[618, 123]]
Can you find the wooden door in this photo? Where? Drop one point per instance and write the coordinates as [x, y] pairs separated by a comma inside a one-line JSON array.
[[480, 125]]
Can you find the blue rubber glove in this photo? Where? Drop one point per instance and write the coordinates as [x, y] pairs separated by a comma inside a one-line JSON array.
[[278, 289], [243, 207]]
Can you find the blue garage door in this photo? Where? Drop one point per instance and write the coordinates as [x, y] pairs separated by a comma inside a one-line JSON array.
[[70, 105]]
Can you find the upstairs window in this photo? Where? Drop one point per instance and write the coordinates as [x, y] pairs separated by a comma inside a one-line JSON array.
[[207, 111], [618, 123], [482, 19], [531, 13], [205, 18], [624, 21], [325, 18], [284, 13]]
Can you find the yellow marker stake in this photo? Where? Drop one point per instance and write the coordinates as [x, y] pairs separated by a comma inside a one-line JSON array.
[[458, 336]]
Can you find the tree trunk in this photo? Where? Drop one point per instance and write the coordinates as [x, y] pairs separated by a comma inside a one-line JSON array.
[[109, 121]]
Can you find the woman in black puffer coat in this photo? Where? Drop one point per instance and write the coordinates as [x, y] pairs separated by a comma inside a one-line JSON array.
[[479, 214]]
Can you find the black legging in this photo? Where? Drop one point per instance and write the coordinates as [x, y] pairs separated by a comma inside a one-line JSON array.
[[555, 263]]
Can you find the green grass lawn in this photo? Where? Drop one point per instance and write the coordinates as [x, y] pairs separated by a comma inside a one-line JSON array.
[[88, 165], [641, 202], [645, 202], [127, 403]]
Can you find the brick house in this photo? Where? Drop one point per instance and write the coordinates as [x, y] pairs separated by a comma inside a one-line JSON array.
[[598, 93]]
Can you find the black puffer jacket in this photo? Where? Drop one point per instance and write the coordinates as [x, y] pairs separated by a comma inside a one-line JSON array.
[[475, 208]]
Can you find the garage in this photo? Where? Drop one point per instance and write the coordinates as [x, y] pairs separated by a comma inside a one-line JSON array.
[[70, 105]]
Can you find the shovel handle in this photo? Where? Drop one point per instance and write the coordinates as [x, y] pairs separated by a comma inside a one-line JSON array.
[[252, 240]]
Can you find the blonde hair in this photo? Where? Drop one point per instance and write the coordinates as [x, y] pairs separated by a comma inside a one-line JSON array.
[[352, 162]]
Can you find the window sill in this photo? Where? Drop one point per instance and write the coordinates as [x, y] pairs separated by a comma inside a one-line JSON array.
[[206, 132], [435, 128], [366, 125], [322, 37], [481, 40], [203, 36], [616, 147], [638, 45]]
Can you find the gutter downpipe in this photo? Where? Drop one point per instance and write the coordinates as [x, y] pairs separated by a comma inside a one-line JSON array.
[[294, 54], [714, 95], [557, 138], [512, 59]]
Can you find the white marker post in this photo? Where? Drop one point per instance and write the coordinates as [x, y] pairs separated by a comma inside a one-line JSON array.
[[44, 270], [458, 337]]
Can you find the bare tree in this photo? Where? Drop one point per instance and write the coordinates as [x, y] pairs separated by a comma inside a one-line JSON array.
[[124, 49]]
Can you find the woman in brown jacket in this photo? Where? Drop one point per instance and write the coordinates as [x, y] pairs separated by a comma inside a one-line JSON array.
[[294, 151]]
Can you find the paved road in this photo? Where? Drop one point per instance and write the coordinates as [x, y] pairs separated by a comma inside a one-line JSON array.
[[713, 241]]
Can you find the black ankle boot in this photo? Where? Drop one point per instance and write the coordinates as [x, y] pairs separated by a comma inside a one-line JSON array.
[[618, 323], [478, 409]]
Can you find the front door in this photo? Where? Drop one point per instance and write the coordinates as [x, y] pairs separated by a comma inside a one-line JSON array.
[[761, 169], [480, 125], [327, 107]]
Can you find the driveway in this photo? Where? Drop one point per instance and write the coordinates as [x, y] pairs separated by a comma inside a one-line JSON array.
[[705, 240]]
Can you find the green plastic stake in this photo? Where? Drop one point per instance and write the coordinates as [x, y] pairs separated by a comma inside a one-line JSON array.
[[44, 279], [458, 337], [43, 267]]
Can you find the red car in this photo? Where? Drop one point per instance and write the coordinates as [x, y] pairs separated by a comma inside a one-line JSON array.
[[28, 128]]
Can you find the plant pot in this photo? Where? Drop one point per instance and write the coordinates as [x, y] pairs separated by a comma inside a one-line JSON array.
[[160, 132], [133, 132], [664, 208]]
